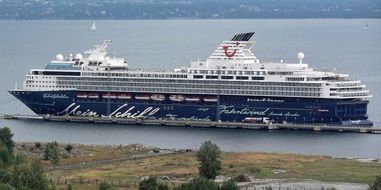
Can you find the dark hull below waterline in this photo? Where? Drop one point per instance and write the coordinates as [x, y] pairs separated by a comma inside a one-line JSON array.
[[231, 108]]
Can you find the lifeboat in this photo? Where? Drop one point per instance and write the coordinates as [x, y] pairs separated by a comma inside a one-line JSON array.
[[93, 95], [210, 99], [124, 96], [157, 97], [142, 97], [192, 98], [81, 95], [109, 95], [176, 98]]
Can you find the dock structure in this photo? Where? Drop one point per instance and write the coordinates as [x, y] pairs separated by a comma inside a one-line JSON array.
[[197, 123]]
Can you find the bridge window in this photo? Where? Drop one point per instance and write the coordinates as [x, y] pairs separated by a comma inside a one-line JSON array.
[[226, 77], [211, 77], [242, 78], [257, 78]]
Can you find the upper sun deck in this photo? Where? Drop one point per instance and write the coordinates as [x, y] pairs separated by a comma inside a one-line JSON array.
[[95, 59]]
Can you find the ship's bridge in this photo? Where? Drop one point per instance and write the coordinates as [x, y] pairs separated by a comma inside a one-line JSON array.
[[95, 59]]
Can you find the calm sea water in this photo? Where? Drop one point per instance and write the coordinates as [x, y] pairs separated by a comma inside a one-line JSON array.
[[166, 44]]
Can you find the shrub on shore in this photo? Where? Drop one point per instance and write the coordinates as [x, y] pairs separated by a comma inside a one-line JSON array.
[[17, 172], [52, 153], [209, 156], [376, 184], [105, 186]]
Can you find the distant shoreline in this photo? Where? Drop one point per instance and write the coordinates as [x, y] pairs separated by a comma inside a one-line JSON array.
[[162, 19]]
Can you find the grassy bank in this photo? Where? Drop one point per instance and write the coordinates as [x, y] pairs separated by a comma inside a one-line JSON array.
[[181, 166]]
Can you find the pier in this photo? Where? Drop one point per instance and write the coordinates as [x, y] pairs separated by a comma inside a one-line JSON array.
[[195, 123]]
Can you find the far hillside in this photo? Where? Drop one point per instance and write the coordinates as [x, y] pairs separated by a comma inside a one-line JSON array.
[[191, 9]]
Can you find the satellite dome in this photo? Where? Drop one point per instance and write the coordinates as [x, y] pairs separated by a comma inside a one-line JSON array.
[[59, 57], [78, 56], [300, 56]]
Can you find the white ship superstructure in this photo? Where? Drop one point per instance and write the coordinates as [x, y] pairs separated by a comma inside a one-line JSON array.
[[231, 77]]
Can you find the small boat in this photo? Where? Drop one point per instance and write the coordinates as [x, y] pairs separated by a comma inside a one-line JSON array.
[[192, 98], [81, 95], [176, 98], [366, 27], [93, 95], [157, 97], [210, 99], [93, 27], [109, 95], [142, 97], [124, 96]]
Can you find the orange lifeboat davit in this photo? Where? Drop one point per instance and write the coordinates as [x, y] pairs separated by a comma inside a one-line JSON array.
[[142, 97], [109, 95], [93, 95], [176, 98], [192, 98], [157, 97], [81, 95], [124, 96], [210, 99]]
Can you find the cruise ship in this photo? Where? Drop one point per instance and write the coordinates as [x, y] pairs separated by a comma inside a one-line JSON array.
[[231, 85]]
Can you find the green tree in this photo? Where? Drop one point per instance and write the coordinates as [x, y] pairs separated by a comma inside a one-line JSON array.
[[5, 157], [5, 176], [229, 185], [105, 186], [37, 145], [52, 186], [6, 139], [6, 187], [69, 148], [199, 183], [21, 174], [329, 188], [376, 184], [162, 187], [148, 184], [51, 153], [209, 157], [28, 175]]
